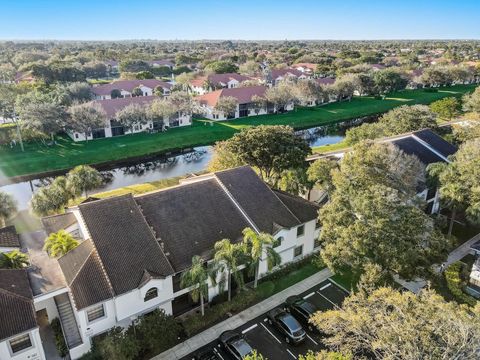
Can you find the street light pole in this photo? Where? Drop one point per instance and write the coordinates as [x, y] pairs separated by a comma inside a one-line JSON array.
[[19, 133]]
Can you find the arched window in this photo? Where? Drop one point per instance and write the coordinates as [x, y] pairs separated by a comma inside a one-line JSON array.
[[151, 294], [277, 242]]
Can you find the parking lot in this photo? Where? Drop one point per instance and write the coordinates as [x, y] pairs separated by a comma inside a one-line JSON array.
[[268, 341]]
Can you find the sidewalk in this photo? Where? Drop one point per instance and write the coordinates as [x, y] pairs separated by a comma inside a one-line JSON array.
[[455, 255], [211, 334]]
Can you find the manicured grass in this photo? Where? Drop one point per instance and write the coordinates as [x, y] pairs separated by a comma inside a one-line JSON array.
[[348, 280], [40, 158], [330, 147]]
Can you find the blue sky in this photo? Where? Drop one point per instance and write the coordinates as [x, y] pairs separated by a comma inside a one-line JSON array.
[[246, 19]]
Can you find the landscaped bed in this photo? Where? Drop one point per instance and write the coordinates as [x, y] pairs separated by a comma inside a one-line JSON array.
[[39, 158]]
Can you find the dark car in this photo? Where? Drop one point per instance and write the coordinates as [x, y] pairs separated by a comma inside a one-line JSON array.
[[235, 344], [207, 354], [301, 310], [287, 325]]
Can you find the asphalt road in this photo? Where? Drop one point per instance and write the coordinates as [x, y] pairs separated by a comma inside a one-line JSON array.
[[269, 342]]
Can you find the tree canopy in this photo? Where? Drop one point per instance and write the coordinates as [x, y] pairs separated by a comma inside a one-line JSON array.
[[389, 324]]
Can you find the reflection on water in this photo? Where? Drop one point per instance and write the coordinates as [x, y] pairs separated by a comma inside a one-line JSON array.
[[166, 167], [141, 172]]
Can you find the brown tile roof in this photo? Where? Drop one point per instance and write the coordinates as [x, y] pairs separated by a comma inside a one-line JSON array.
[[189, 219], [54, 223], [124, 242], [112, 106], [276, 73], [225, 78], [242, 94], [82, 268], [17, 313], [128, 85], [259, 202], [9, 237]]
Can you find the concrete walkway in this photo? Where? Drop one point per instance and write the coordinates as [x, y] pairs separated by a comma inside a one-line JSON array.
[[211, 334], [455, 255]]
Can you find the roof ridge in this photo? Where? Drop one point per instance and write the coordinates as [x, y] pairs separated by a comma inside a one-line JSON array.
[[235, 202], [10, 293]]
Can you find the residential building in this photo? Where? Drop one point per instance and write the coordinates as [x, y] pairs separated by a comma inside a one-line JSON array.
[[159, 63], [473, 287], [306, 68], [205, 84], [133, 251], [8, 239], [244, 96], [125, 87], [427, 146], [113, 128], [19, 331], [276, 76]]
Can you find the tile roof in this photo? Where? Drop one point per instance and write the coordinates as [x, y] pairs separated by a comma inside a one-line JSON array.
[[17, 313], [302, 209], [225, 78], [259, 202], [411, 146], [9, 237], [436, 142], [276, 73], [124, 242], [242, 94], [54, 223], [112, 106], [128, 85], [189, 219], [81, 268]]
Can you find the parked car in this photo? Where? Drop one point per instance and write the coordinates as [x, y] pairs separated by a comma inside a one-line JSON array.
[[301, 310], [287, 325], [207, 354], [235, 344]]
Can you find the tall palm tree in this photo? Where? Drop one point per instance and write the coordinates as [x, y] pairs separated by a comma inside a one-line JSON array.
[[58, 244], [197, 277], [14, 260], [228, 257], [256, 246], [7, 207]]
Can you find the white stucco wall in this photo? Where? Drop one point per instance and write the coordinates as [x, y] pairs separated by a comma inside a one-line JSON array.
[[33, 353]]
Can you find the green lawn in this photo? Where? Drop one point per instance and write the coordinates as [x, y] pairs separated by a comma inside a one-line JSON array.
[[40, 158]]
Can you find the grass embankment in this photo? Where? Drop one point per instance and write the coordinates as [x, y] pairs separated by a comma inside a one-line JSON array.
[[39, 158]]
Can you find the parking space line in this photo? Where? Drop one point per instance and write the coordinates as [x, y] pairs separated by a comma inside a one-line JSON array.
[[250, 328], [308, 295], [271, 333], [291, 354], [325, 286], [330, 301], [312, 340], [218, 353]]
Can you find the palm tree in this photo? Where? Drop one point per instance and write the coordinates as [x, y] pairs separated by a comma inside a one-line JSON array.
[[197, 277], [256, 245], [7, 207], [83, 178], [58, 244], [227, 257], [14, 260]]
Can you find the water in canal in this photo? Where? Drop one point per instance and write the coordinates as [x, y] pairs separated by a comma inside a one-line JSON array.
[[163, 167]]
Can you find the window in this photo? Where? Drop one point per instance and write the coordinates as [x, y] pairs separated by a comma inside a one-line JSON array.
[[20, 343], [298, 251], [151, 294], [316, 243], [300, 230], [277, 242], [317, 224], [76, 136], [95, 313]]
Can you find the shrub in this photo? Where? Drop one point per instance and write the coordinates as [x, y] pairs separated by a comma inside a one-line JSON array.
[[119, 344], [59, 338], [157, 331], [456, 284]]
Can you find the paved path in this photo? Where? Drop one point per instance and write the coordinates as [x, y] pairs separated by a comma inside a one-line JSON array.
[[199, 340], [455, 255]]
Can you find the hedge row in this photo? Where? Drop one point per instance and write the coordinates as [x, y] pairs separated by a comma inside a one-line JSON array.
[[456, 283]]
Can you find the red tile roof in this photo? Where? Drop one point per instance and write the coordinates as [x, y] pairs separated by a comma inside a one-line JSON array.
[[242, 94], [128, 85]]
